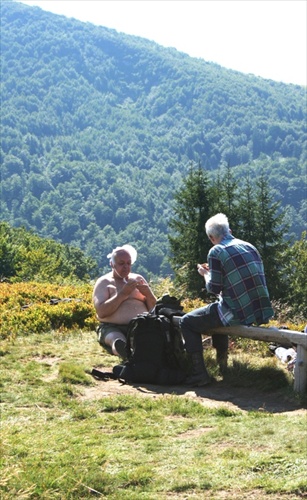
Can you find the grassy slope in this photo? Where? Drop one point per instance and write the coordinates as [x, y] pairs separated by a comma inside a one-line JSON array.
[[58, 444]]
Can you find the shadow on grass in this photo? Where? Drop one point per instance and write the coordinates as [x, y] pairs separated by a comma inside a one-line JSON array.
[[249, 388], [266, 378]]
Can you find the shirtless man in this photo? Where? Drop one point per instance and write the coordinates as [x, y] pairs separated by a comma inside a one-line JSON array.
[[118, 297]]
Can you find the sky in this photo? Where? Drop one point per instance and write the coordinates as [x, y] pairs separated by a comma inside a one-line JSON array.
[[267, 38]]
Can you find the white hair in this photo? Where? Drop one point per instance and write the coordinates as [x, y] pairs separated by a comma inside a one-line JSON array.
[[125, 248], [217, 226]]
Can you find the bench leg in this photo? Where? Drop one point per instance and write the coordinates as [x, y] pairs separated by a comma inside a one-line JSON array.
[[300, 370]]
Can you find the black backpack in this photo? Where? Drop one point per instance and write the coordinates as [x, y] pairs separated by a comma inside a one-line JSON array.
[[155, 350]]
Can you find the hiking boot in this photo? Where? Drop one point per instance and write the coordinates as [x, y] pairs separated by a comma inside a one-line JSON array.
[[199, 376], [120, 347], [222, 359]]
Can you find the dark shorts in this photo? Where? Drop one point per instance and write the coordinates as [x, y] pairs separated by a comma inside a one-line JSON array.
[[104, 328]]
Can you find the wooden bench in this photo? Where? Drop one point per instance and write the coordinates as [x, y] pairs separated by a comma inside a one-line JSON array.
[[275, 335]]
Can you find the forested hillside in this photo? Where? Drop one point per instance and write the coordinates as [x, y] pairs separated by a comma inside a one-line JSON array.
[[99, 128]]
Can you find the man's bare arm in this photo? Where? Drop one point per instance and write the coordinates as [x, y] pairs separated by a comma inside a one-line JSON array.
[[107, 307]]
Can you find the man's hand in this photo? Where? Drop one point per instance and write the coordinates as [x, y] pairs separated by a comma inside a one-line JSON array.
[[142, 286], [130, 285], [203, 269], [145, 290]]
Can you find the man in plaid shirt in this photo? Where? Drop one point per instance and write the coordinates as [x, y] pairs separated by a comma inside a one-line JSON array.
[[235, 274]]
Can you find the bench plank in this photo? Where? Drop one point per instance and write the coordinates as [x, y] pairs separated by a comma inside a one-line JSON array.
[[284, 337]]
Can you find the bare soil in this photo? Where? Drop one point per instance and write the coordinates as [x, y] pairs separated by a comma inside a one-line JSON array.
[[218, 394]]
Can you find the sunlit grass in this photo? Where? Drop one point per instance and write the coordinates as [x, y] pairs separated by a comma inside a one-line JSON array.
[[58, 445]]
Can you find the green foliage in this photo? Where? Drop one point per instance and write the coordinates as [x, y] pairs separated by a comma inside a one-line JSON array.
[[295, 267], [25, 256], [225, 199], [99, 129], [34, 307], [269, 236], [190, 244], [254, 216], [28, 308]]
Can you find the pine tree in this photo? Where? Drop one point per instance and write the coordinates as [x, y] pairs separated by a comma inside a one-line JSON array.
[[253, 214], [189, 243], [269, 236], [247, 210], [295, 261], [226, 197]]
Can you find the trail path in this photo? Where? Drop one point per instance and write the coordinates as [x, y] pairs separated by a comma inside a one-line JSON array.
[[218, 394]]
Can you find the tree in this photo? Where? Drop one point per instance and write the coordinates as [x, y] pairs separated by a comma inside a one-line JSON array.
[[226, 197], [247, 210], [295, 259], [25, 256], [95, 117], [254, 216], [269, 236], [7, 252], [189, 243]]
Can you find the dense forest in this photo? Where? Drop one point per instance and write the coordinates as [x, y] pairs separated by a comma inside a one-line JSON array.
[[99, 130]]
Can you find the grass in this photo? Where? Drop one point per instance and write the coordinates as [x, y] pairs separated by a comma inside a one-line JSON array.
[[56, 444]]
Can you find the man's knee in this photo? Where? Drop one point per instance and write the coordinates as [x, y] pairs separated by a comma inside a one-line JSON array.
[[110, 342], [119, 348], [184, 322], [107, 338], [111, 337]]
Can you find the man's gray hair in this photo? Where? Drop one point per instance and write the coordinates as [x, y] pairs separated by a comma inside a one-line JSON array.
[[125, 248], [217, 226]]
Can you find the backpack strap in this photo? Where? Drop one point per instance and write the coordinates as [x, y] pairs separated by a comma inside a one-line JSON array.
[[99, 375], [170, 313]]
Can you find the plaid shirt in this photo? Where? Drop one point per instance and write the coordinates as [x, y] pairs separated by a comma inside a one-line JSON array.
[[237, 276]]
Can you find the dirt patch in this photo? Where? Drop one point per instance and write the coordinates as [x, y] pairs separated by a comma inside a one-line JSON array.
[[47, 360], [216, 395]]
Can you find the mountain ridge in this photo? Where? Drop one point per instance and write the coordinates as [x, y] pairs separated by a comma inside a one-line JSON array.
[[99, 128]]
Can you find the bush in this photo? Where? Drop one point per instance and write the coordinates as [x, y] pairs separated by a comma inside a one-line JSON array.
[[36, 308]]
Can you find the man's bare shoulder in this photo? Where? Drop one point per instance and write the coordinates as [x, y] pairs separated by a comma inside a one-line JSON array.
[[135, 276]]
